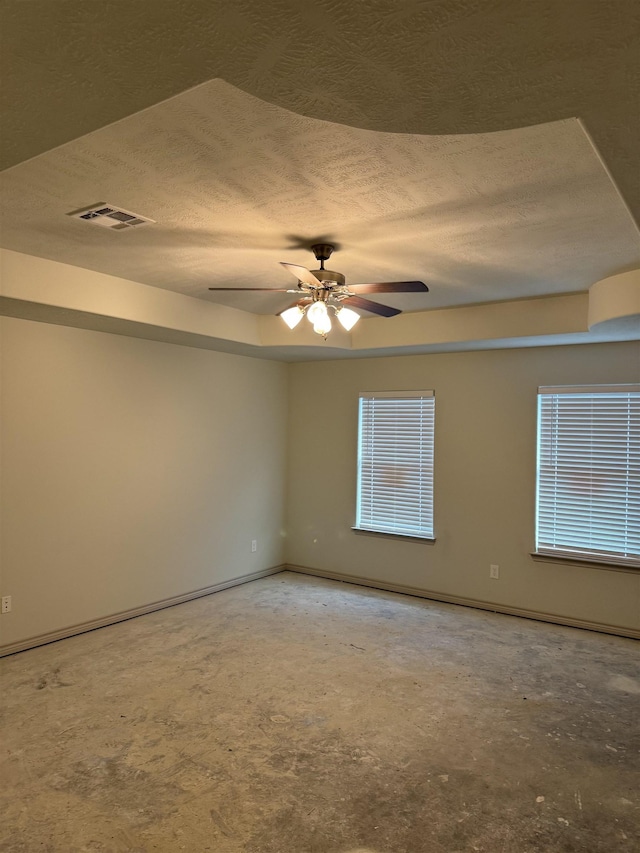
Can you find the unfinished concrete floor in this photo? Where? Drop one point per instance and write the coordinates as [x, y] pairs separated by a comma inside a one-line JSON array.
[[297, 715]]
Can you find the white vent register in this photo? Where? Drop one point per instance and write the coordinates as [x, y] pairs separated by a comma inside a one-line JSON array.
[[110, 216]]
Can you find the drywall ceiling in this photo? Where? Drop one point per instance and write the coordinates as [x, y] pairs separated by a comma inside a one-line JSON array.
[[449, 140], [235, 184], [420, 66]]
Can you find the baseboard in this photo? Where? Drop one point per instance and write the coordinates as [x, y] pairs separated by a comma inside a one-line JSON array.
[[470, 602], [91, 625]]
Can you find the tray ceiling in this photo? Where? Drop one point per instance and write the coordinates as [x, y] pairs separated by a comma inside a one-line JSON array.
[[442, 66], [488, 147], [235, 184]]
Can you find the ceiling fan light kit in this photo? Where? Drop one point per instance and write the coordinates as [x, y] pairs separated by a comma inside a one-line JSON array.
[[323, 289], [319, 318]]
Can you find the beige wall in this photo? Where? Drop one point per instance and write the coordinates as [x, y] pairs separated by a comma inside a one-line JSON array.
[[484, 478], [132, 471]]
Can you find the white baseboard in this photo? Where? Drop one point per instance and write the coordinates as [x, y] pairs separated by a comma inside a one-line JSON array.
[[92, 624], [619, 631]]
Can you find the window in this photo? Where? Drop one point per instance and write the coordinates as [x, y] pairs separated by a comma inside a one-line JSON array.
[[395, 463], [588, 489]]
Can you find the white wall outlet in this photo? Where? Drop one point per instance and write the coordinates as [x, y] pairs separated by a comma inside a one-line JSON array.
[[494, 572], [254, 546], [6, 603]]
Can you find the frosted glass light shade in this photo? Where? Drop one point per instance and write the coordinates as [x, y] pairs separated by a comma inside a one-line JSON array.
[[292, 316], [348, 318], [316, 311], [322, 325]]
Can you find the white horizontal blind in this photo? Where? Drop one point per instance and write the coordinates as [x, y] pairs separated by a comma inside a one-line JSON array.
[[395, 463], [588, 490]]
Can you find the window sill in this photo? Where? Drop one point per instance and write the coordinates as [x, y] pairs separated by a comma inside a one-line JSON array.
[[364, 531], [585, 562]]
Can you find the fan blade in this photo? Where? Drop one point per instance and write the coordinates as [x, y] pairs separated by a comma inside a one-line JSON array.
[[390, 287], [266, 289], [302, 274], [368, 305]]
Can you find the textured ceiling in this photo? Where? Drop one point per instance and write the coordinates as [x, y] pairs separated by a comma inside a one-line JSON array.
[[478, 144], [236, 184], [430, 67]]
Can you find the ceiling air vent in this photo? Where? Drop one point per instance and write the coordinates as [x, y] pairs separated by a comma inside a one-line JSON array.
[[109, 216]]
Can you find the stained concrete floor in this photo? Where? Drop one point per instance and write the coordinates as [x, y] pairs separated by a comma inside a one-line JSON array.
[[297, 715]]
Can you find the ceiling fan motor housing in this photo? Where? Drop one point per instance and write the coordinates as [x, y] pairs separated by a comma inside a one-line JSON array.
[[330, 277]]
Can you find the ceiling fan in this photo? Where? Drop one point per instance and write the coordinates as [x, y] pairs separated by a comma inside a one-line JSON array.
[[321, 289]]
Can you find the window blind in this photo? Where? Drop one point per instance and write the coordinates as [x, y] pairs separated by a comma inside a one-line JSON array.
[[588, 484], [395, 463]]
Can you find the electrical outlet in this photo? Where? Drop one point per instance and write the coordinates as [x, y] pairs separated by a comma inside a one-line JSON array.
[[254, 546], [494, 572], [6, 603]]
